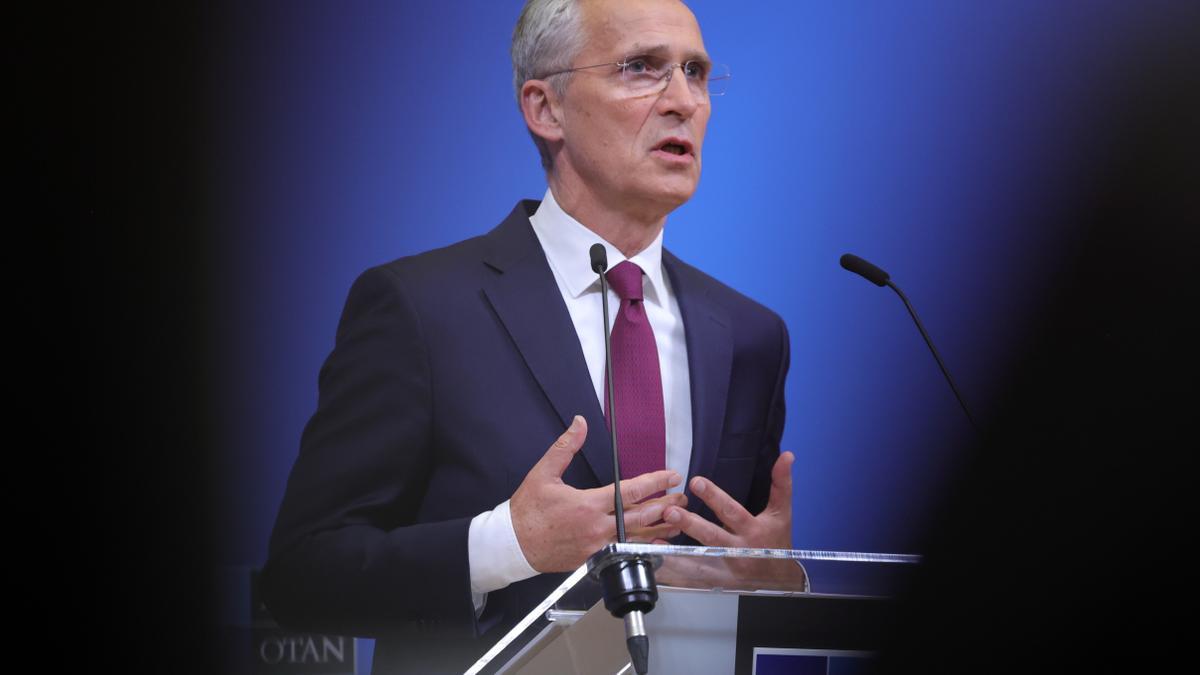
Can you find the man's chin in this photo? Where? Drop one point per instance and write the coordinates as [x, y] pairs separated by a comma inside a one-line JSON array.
[[675, 196], [678, 186]]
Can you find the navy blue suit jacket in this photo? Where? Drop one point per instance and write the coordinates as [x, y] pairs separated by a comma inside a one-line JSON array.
[[452, 373]]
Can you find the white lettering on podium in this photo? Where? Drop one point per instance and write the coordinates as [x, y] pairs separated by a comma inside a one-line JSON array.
[[302, 649]]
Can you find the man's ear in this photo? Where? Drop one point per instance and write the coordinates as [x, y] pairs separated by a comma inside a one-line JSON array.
[[542, 110]]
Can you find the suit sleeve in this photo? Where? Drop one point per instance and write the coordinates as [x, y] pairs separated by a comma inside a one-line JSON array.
[[760, 487], [347, 555]]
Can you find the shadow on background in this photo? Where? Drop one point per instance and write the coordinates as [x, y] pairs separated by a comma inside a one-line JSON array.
[[1064, 545]]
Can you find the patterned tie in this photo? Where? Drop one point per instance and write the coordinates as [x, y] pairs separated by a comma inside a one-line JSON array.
[[641, 424]]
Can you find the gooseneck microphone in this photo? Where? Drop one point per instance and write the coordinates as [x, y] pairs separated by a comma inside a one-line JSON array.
[[881, 278], [628, 580], [600, 265], [865, 269]]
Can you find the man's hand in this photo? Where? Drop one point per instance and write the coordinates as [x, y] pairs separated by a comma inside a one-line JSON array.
[[558, 527], [770, 529]]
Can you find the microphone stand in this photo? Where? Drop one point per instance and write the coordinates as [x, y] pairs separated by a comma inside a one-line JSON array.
[[879, 277], [627, 579]]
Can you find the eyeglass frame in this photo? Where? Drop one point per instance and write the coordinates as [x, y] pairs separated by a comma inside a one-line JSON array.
[[665, 78]]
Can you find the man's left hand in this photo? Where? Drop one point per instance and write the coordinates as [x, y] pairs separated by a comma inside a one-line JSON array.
[[770, 529]]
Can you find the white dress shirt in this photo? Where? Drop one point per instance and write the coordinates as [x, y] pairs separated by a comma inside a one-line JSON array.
[[496, 559]]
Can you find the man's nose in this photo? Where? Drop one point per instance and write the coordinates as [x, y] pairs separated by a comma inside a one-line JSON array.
[[677, 95]]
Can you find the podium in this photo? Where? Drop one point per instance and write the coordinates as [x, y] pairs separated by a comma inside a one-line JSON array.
[[719, 610]]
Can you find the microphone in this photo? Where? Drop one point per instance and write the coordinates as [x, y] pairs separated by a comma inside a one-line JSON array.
[[881, 278], [864, 269], [628, 580], [599, 258]]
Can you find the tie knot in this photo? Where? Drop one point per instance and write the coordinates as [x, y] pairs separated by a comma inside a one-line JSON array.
[[626, 280]]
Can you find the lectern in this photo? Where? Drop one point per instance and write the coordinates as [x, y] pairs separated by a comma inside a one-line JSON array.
[[719, 610]]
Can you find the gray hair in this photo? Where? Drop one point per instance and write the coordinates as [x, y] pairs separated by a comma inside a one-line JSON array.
[[548, 37]]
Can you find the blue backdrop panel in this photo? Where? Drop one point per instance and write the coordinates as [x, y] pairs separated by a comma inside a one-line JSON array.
[[928, 137]]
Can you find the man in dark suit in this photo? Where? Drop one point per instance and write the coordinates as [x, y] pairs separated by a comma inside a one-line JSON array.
[[425, 508]]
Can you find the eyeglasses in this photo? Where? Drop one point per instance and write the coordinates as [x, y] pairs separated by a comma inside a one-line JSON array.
[[643, 75]]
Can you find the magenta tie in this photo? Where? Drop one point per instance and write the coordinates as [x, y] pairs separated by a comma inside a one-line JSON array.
[[641, 424]]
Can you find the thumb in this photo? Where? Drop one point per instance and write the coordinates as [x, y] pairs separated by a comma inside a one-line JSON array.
[[560, 453], [780, 500]]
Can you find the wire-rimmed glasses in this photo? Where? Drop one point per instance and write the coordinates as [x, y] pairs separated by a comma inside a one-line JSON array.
[[643, 74]]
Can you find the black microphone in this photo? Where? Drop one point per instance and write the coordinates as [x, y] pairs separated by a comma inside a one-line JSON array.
[[599, 258], [864, 269], [628, 581], [879, 277]]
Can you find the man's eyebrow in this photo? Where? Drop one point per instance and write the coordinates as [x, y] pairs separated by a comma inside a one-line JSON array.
[[663, 50]]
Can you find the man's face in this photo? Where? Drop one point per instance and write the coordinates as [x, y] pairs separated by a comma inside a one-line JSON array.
[[615, 141]]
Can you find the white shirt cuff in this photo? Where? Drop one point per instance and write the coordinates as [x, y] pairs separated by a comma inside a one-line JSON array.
[[496, 559]]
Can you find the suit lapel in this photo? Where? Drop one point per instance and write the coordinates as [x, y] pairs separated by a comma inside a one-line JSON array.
[[528, 303], [710, 357], [526, 298]]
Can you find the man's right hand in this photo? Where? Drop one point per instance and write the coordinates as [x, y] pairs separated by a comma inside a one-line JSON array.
[[558, 526]]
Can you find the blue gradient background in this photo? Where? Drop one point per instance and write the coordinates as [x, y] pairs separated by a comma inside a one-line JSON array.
[[933, 138]]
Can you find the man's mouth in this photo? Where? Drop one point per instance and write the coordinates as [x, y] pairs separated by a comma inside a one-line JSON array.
[[675, 146]]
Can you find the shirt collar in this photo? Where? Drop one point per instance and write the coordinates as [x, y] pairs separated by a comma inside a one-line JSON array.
[[566, 243]]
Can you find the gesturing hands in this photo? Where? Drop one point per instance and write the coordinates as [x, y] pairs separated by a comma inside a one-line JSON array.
[[770, 529], [558, 526]]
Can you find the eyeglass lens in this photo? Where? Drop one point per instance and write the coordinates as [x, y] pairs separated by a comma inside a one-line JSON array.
[[645, 73]]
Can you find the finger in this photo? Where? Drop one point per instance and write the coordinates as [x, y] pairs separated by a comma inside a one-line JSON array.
[[673, 499], [634, 490], [606, 529], [727, 509], [699, 529], [638, 488], [658, 532], [644, 515], [780, 500], [563, 450], [651, 512]]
